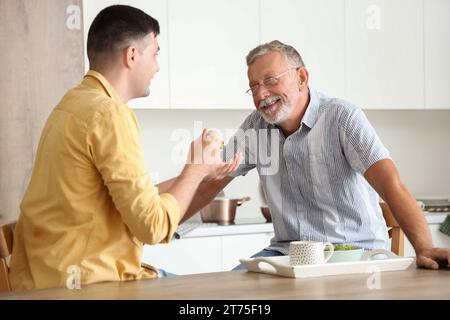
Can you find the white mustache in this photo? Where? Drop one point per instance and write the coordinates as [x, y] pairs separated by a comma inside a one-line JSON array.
[[268, 101]]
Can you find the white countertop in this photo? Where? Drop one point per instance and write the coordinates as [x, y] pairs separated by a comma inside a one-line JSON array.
[[241, 226]]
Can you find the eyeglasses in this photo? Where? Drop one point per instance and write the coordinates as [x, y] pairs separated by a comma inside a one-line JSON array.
[[267, 82]]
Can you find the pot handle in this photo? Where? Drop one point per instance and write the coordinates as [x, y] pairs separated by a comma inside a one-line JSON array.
[[242, 200]]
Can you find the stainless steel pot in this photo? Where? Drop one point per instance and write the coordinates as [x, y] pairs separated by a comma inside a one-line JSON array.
[[221, 210]]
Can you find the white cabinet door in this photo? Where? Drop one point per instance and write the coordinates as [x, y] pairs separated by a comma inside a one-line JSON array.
[[242, 246], [159, 96], [186, 256], [437, 53], [316, 30], [209, 40], [204, 254], [384, 53]]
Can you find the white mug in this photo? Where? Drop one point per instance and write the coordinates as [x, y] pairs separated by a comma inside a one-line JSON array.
[[309, 252]]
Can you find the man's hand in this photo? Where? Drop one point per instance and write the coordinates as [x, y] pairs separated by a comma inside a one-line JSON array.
[[220, 171], [432, 258], [205, 157]]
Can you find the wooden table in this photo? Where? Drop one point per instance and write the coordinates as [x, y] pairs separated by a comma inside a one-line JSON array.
[[412, 283]]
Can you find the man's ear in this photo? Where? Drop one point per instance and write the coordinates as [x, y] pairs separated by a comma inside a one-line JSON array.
[[130, 55], [303, 77]]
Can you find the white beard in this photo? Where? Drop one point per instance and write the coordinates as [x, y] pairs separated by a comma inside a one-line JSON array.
[[281, 115]]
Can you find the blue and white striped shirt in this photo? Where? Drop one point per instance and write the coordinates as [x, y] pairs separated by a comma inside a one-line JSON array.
[[313, 180]]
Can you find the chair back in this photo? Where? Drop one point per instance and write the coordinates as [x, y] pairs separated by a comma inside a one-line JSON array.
[[6, 245], [395, 232]]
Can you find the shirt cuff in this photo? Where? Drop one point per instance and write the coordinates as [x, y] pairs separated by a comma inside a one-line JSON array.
[[173, 211]]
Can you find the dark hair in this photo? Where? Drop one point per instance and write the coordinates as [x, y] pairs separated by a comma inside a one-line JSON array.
[[115, 26]]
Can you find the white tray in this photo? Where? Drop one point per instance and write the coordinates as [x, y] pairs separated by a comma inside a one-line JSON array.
[[280, 266]]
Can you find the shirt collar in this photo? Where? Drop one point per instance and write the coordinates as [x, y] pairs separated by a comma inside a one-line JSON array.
[[312, 111], [107, 87]]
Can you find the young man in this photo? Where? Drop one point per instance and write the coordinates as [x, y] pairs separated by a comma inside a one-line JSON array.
[[91, 204], [327, 168]]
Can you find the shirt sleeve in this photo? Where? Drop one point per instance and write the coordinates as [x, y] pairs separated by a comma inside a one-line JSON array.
[[361, 145], [243, 141], [115, 146]]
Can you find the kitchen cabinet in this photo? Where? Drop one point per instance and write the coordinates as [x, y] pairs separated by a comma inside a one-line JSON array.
[[316, 33], [186, 256], [242, 246], [437, 53], [381, 54], [209, 40], [159, 90], [204, 254], [384, 59]]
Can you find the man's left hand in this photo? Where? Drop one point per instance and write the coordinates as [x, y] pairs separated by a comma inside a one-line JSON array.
[[433, 258]]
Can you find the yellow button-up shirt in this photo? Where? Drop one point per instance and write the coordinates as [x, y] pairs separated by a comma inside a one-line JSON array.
[[90, 204]]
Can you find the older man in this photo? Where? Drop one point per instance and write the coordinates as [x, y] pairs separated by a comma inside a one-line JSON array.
[[327, 168]]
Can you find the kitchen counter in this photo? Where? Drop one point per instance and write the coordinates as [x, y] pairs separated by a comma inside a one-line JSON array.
[[240, 226], [412, 283]]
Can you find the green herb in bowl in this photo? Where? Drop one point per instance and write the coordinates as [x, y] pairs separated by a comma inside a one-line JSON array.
[[345, 253], [343, 247]]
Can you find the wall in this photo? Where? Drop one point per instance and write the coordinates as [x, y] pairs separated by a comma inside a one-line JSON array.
[[41, 58], [417, 140]]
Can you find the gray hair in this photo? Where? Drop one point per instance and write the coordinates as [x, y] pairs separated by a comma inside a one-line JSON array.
[[291, 55]]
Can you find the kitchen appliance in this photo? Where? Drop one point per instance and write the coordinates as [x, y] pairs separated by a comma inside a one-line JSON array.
[[222, 210]]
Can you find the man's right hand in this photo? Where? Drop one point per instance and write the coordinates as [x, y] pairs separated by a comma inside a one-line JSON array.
[[205, 157]]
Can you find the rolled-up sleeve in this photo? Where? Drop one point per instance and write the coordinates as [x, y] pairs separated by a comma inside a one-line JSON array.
[[361, 145], [115, 147]]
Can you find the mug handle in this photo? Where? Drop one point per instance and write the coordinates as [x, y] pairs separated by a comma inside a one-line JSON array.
[[329, 252]]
